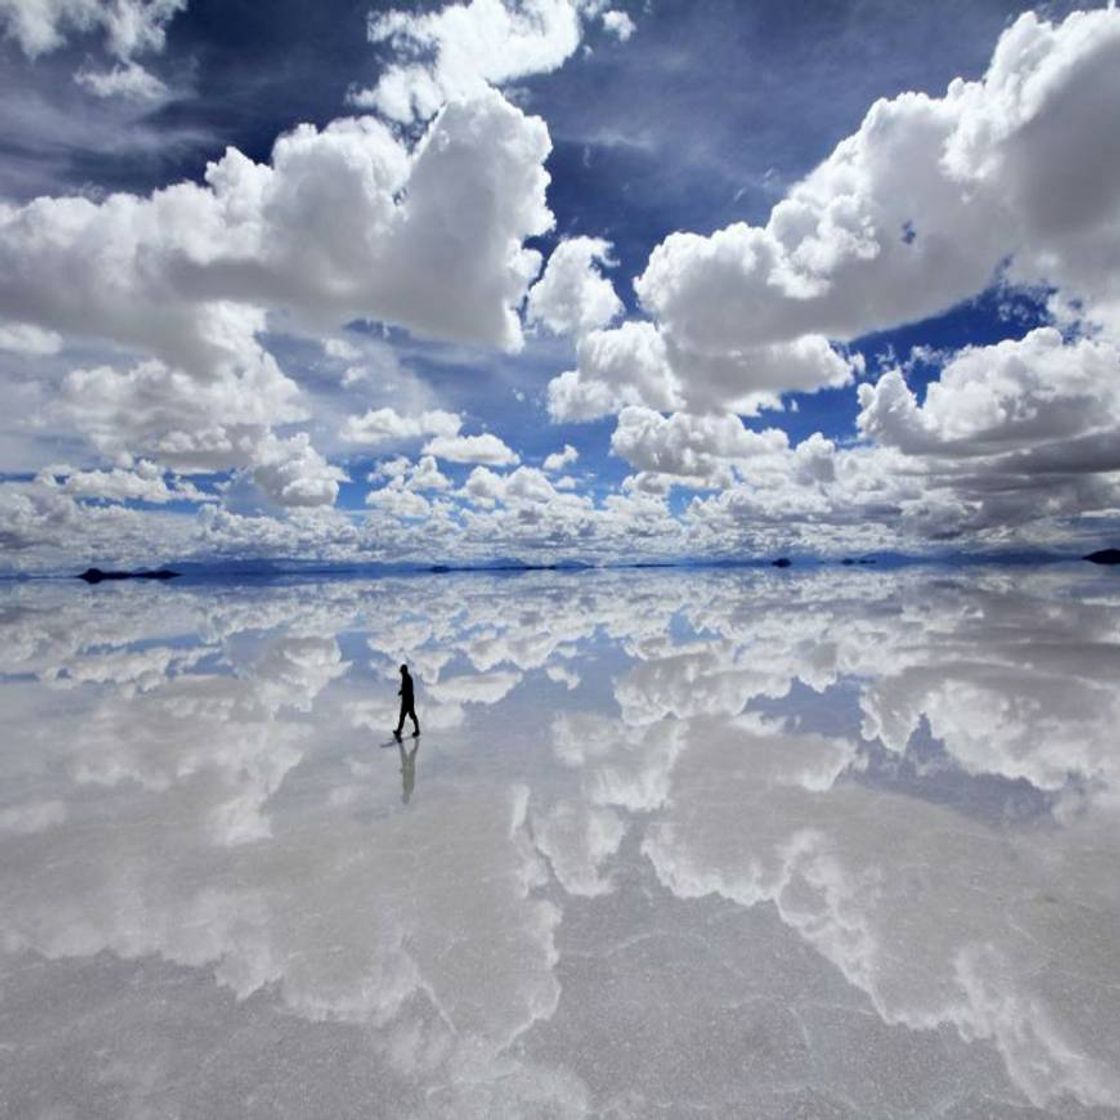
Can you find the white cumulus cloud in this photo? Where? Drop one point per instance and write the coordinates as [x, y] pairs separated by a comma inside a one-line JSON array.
[[700, 448], [619, 24], [292, 473], [1018, 396], [386, 425], [486, 448], [573, 296], [624, 366], [558, 460]]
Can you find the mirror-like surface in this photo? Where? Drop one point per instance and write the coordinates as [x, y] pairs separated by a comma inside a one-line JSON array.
[[831, 844]]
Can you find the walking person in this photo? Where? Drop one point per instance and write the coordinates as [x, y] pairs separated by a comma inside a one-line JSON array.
[[408, 704]]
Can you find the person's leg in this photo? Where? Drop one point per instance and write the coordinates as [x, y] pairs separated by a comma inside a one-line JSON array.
[[415, 721], [400, 722]]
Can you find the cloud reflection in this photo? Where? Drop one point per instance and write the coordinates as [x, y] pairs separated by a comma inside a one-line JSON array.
[[193, 774]]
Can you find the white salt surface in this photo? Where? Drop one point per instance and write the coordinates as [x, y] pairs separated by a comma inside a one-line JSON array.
[[826, 844]]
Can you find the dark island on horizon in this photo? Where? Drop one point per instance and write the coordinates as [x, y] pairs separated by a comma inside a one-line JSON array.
[[1104, 556], [97, 575]]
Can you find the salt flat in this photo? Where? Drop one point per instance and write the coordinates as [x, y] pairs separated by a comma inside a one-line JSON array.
[[827, 843]]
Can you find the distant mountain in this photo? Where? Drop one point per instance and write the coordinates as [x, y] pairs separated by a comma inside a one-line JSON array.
[[1104, 556]]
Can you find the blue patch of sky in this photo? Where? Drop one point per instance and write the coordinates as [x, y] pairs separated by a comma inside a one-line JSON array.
[[352, 494], [354, 647]]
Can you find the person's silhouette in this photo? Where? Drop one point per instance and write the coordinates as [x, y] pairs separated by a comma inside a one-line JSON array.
[[408, 704]]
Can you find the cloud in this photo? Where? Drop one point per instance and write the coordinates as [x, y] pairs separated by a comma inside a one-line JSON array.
[[475, 688], [573, 296], [341, 348], [347, 222], [292, 473], [484, 486], [467, 48], [395, 468], [524, 485], [180, 420], [561, 674], [638, 363], [619, 24], [624, 366], [219, 533], [426, 475], [145, 482], [697, 447], [1018, 396], [22, 338], [486, 448], [130, 27], [385, 425], [169, 305], [397, 501], [1010, 434], [129, 80], [43, 527], [558, 460], [408, 482]]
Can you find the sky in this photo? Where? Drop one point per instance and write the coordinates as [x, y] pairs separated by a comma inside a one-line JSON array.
[[556, 280]]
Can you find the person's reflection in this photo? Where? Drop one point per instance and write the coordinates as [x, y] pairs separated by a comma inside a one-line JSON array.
[[408, 770]]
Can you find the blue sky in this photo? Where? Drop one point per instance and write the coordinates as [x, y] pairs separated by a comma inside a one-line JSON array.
[[819, 278]]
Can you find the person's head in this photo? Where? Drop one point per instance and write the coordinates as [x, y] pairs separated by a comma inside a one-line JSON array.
[[404, 670]]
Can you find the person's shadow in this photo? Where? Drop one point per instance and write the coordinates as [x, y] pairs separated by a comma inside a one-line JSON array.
[[408, 770]]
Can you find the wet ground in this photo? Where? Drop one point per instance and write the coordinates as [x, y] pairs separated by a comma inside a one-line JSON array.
[[837, 843]]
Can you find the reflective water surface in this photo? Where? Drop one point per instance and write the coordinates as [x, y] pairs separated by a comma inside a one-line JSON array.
[[840, 843]]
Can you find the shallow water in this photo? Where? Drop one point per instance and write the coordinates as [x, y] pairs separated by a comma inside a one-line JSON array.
[[830, 844]]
